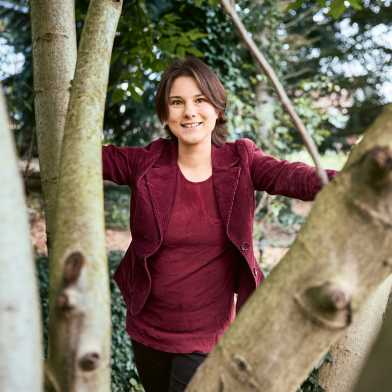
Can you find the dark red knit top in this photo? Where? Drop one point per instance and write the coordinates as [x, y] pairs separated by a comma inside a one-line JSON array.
[[193, 276]]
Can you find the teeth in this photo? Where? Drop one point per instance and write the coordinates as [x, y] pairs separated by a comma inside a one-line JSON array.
[[192, 125]]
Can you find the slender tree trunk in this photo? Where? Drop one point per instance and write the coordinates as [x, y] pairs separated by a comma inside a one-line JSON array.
[[54, 59], [265, 102], [341, 255], [351, 352], [265, 108], [21, 355], [79, 324], [377, 375]]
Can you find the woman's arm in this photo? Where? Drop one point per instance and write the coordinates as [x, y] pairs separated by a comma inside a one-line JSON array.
[[280, 177], [117, 164]]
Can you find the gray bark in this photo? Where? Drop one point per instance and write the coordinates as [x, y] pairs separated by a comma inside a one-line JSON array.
[[54, 58], [20, 325]]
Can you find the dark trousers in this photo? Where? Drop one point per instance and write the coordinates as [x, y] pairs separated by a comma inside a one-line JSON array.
[[160, 371]]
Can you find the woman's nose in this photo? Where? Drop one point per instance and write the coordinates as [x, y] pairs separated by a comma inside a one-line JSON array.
[[189, 110]]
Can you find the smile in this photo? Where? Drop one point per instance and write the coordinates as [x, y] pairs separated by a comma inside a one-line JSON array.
[[191, 125]]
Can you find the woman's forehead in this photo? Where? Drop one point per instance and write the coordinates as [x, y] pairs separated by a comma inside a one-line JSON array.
[[185, 87]]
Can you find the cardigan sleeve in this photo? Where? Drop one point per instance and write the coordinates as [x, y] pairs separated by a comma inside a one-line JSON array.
[[118, 164], [280, 177]]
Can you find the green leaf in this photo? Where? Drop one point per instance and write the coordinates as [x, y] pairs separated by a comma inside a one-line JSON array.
[[118, 96], [337, 8], [356, 4], [294, 5]]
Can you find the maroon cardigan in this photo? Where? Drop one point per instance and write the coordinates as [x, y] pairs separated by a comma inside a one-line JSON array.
[[239, 168]]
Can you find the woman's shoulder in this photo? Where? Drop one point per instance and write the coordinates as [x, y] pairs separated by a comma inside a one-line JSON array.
[[157, 144], [243, 142], [240, 149], [242, 146]]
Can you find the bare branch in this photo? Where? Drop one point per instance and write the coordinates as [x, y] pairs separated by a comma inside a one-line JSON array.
[[262, 62]]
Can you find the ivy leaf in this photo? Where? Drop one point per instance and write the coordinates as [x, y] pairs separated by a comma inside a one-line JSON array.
[[356, 4], [337, 8]]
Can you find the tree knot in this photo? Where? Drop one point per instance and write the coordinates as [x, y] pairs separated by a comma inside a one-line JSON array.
[[89, 361], [382, 156], [328, 304], [72, 267], [241, 363]]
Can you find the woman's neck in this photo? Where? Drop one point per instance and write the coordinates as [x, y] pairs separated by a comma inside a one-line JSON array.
[[194, 156]]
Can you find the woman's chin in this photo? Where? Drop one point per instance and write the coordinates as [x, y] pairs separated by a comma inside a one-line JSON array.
[[192, 139]]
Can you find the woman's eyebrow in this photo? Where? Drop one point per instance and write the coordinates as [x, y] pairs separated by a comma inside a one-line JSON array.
[[178, 96]]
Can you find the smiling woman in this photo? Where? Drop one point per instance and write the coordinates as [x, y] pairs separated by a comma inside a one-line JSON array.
[[187, 86], [192, 212], [191, 116]]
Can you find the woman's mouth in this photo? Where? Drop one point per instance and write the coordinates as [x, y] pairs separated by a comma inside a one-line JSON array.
[[191, 125]]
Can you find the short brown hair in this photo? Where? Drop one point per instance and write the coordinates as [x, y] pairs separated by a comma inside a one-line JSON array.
[[209, 85]]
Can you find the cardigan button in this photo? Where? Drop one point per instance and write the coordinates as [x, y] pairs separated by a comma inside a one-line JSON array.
[[244, 247]]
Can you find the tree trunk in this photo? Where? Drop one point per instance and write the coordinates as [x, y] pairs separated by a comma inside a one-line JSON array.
[[21, 355], [265, 102], [79, 322], [265, 111], [376, 375], [351, 352], [342, 254], [54, 58]]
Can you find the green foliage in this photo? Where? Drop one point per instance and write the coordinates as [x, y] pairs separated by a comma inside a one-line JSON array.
[[311, 384], [15, 33], [336, 8], [124, 374], [117, 207]]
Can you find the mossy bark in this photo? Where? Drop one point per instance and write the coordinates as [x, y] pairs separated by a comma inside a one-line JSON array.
[[341, 255], [54, 58], [79, 319], [21, 357]]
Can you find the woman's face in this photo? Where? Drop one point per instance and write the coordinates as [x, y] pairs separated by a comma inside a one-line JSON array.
[[191, 116]]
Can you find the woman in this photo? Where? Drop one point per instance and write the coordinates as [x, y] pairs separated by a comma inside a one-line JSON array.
[[192, 211]]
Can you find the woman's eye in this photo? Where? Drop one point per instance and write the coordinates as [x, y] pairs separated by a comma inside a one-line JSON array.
[[176, 103], [199, 100]]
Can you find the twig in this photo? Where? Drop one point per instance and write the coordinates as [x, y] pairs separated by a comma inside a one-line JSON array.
[[309, 143]]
